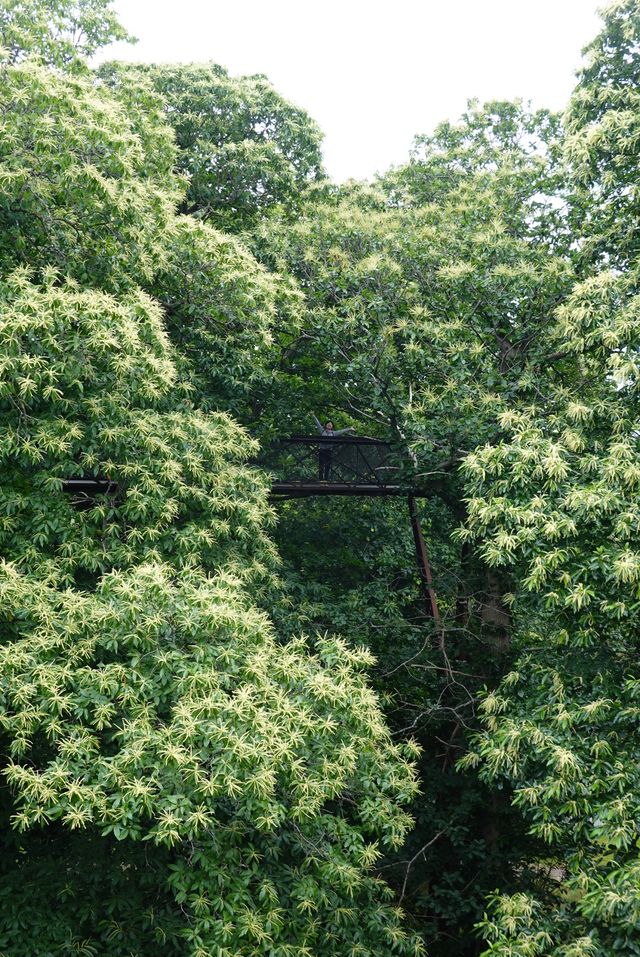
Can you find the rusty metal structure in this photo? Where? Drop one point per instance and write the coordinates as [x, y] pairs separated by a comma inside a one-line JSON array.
[[302, 466], [346, 465], [424, 567]]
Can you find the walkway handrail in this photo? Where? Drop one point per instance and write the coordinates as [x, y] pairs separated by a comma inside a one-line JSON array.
[[345, 461]]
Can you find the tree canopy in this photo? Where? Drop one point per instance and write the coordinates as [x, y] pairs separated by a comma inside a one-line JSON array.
[[62, 33], [227, 726], [244, 148], [177, 776]]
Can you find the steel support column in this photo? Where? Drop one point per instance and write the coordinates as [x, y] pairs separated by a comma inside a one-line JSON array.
[[430, 600]]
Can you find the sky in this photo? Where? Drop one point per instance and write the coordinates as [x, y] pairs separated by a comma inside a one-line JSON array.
[[374, 73]]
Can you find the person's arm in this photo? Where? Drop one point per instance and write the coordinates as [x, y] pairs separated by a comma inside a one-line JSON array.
[[350, 428], [318, 423]]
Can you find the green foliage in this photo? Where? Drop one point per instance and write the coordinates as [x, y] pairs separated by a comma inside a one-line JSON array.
[[602, 136], [555, 502], [221, 307], [77, 893], [62, 33], [558, 501], [176, 777], [352, 570], [243, 147], [78, 193], [168, 713], [421, 320], [150, 710], [186, 771], [501, 147], [89, 389]]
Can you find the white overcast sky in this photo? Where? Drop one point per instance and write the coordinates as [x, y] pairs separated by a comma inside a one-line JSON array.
[[374, 73]]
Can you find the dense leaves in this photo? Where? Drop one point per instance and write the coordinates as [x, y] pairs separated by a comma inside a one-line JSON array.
[[168, 712], [602, 136], [214, 743], [89, 390], [77, 193], [558, 498], [556, 501], [245, 148], [62, 33], [176, 775], [221, 311]]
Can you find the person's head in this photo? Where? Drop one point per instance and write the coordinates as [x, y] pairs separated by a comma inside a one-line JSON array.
[[329, 426]]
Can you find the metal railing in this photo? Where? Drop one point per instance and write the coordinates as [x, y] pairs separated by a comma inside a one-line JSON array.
[[308, 465], [342, 461]]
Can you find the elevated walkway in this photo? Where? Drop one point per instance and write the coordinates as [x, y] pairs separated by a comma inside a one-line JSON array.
[[302, 465]]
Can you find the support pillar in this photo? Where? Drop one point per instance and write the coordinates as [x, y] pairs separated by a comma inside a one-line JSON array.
[[429, 595]]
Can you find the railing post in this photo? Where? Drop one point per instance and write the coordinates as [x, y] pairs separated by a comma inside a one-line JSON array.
[[430, 600]]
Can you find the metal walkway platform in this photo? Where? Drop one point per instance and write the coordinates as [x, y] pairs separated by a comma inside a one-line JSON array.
[[302, 466], [303, 489]]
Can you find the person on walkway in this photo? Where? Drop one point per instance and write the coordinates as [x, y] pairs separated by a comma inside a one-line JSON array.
[[325, 449]]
